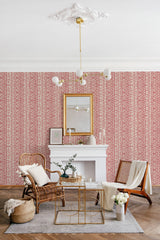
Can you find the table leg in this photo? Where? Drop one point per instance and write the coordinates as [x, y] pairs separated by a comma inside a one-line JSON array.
[[78, 203]]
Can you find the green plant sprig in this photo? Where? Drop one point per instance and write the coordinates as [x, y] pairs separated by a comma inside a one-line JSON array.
[[68, 164]]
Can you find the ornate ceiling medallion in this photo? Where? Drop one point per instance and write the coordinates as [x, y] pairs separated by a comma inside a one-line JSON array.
[[69, 15]]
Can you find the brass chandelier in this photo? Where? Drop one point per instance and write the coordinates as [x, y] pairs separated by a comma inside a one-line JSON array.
[[79, 72], [77, 14]]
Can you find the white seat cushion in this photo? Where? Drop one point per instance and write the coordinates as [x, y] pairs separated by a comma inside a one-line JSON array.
[[39, 175]]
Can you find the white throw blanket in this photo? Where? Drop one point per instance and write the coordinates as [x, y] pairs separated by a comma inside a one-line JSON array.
[[10, 205], [136, 175]]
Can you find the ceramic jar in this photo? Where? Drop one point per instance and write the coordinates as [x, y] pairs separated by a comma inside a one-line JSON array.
[[91, 140]]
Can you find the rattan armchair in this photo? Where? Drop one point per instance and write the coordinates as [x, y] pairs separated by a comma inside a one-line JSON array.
[[48, 192]]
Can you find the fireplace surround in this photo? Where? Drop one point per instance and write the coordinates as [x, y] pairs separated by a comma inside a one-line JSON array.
[[90, 160]]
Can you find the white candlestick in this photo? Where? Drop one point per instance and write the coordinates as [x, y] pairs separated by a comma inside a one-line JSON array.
[[69, 134]]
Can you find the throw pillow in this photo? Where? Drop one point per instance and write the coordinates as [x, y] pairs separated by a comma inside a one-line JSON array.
[[24, 170], [39, 175]]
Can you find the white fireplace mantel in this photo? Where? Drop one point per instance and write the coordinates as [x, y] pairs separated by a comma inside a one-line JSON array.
[[89, 157]]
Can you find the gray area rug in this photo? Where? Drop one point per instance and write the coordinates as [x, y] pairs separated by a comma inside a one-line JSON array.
[[44, 222]]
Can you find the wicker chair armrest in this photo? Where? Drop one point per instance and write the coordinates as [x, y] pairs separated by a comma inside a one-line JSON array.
[[30, 178], [48, 170]]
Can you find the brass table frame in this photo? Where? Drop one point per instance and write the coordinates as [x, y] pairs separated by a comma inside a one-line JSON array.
[[81, 189]]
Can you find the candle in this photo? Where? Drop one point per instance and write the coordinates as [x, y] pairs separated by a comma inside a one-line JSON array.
[[69, 131]]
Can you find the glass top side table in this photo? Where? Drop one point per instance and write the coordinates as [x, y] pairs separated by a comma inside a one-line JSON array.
[[85, 212]]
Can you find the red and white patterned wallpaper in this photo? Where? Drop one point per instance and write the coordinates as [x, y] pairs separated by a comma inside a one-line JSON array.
[[127, 107]]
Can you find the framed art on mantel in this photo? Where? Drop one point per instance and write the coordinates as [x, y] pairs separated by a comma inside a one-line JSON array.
[[56, 136]]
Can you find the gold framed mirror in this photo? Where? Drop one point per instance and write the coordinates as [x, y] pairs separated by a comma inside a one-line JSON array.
[[78, 114]]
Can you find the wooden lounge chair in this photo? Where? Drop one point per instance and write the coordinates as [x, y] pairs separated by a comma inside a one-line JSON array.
[[122, 177], [48, 192]]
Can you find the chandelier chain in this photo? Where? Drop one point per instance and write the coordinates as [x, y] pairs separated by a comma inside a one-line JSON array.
[[80, 45]]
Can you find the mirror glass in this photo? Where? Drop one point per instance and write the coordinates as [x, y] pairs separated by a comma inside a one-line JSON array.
[[78, 114]]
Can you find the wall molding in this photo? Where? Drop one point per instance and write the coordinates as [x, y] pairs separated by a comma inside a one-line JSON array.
[[71, 64], [11, 186]]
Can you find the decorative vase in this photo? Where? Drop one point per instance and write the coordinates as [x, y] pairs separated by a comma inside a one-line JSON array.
[[91, 140], [73, 174], [65, 175], [120, 212]]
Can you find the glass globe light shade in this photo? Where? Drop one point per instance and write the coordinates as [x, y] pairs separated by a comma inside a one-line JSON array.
[[108, 77], [59, 84], [77, 108], [107, 74], [55, 80], [79, 73], [83, 82]]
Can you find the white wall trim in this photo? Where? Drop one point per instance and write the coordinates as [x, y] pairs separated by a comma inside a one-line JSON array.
[[71, 64]]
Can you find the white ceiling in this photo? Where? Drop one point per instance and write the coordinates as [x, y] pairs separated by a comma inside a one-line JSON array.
[[128, 40]]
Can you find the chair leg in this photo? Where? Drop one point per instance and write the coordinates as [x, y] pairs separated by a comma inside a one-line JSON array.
[[126, 204], [63, 202], [24, 191], [147, 197], [37, 207], [97, 199]]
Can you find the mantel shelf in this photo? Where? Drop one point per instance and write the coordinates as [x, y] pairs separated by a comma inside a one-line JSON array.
[[98, 146]]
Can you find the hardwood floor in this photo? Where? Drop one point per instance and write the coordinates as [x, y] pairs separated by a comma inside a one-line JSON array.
[[147, 216]]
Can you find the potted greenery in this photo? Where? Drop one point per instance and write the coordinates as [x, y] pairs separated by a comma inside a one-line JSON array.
[[67, 166]]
